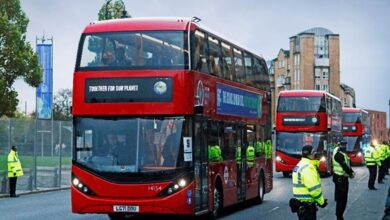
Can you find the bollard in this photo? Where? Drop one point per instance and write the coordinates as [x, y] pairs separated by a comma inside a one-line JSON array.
[[55, 184], [4, 183], [30, 182]]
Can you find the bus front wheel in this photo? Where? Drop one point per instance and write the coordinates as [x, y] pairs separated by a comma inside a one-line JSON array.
[[116, 216], [286, 174]]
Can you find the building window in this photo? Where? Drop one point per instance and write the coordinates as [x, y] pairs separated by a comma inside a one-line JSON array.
[[325, 87], [325, 74], [296, 60], [321, 45], [317, 74], [318, 87]]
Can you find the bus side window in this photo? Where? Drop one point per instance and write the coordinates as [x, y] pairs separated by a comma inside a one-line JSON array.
[[213, 56], [229, 142], [199, 61], [238, 66], [248, 62], [227, 61]]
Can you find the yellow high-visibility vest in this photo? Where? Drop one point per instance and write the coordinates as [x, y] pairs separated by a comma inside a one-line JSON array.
[[337, 168], [307, 182], [14, 165]]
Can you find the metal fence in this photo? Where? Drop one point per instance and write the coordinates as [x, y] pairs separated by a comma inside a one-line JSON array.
[[45, 151]]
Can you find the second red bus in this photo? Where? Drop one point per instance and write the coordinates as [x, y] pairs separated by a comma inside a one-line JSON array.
[[306, 117]]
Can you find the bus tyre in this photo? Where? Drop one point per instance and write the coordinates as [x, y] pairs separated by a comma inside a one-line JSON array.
[[217, 204], [260, 195], [116, 216], [286, 174]]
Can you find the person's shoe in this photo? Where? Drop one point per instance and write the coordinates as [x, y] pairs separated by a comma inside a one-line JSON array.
[[373, 188], [14, 196], [381, 182], [384, 178]]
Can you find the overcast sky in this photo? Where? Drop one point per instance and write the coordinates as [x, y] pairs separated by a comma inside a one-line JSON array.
[[261, 26]]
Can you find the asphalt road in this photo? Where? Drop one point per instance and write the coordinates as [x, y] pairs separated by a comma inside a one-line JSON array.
[[362, 203]]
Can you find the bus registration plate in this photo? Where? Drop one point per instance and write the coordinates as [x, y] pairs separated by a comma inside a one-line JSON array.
[[126, 208]]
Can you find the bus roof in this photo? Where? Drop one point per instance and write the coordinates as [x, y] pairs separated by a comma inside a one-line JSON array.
[[130, 24], [353, 110], [306, 93]]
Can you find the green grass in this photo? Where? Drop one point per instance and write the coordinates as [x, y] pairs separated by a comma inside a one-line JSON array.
[[28, 161]]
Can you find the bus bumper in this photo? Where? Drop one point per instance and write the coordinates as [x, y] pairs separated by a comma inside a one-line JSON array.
[[357, 158], [180, 203], [285, 163]]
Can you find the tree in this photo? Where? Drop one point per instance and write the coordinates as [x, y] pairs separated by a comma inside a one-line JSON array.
[[110, 10], [62, 104], [17, 58]]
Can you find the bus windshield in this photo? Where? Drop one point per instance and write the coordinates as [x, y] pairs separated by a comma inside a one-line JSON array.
[[129, 145], [353, 142], [351, 117], [292, 143], [301, 104], [133, 50]]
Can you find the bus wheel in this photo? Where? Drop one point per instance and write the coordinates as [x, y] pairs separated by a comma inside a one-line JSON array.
[[116, 216], [286, 174], [260, 196], [217, 205]]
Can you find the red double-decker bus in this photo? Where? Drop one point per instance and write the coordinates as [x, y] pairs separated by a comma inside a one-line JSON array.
[[306, 117], [355, 125], [149, 98]]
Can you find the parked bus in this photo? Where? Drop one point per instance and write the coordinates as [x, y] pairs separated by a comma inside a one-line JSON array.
[[356, 132], [150, 96], [306, 117]]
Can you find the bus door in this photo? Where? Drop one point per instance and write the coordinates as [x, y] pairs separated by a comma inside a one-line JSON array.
[[240, 165], [201, 165]]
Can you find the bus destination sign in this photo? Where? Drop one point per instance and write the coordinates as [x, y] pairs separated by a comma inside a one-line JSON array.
[[111, 90], [234, 101]]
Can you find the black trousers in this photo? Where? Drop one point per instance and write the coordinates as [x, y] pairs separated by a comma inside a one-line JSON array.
[[12, 185], [371, 180], [387, 162], [308, 211], [341, 194], [381, 172]]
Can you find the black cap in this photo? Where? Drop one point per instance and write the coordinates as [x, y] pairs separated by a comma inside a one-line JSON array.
[[306, 150], [342, 142]]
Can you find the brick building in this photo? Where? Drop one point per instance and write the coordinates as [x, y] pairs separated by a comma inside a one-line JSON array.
[[347, 96], [313, 62], [379, 130]]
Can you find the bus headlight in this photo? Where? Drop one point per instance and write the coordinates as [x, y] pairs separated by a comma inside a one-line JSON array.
[[81, 186], [76, 181], [182, 183], [323, 159], [354, 128], [279, 159], [359, 154], [177, 185]]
